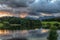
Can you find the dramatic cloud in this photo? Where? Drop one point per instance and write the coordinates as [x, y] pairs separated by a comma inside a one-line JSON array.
[[33, 7], [49, 6], [15, 3]]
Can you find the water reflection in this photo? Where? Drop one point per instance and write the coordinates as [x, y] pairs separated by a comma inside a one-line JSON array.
[[8, 34], [3, 32], [18, 39]]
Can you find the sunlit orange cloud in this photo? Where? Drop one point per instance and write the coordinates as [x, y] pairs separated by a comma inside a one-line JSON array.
[[23, 15], [3, 13]]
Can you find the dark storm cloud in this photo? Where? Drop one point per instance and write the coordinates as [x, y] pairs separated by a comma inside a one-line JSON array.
[[18, 3], [34, 6], [48, 6], [15, 3]]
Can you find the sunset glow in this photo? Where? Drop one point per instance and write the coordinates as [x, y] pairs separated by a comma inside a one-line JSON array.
[[3, 13], [23, 15], [3, 32]]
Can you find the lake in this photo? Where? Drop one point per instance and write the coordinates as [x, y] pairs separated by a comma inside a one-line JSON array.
[[44, 38], [6, 34]]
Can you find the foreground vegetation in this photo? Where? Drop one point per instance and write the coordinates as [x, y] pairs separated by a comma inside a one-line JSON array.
[[53, 35]]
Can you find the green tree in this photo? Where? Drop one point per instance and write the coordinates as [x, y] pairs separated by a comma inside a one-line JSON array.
[[53, 33], [6, 25]]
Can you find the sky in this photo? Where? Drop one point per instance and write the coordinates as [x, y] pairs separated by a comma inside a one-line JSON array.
[[32, 7]]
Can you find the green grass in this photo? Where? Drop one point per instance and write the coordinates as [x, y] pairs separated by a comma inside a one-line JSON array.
[[48, 24], [1, 24], [52, 22]]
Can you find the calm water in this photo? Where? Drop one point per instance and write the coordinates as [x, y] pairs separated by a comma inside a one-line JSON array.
[[9, 34], [43, 38]]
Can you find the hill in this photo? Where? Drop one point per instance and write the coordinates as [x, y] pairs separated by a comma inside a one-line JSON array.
[[16, 23], [53, 19]]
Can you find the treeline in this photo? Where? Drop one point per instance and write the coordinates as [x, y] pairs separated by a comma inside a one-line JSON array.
[[53, 24], [53, 19], [15, 23]]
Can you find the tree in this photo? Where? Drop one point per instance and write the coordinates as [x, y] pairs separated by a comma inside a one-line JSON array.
[[48, 25], [53, 33], [14, 21], [6, 25], [37, 24]]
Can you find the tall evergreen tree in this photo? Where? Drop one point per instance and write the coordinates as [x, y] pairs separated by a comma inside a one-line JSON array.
[[53, 33]]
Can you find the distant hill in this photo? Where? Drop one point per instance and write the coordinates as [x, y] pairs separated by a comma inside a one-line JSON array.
[[46, 17], [40, 18], [17, 23], [53, 19]]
